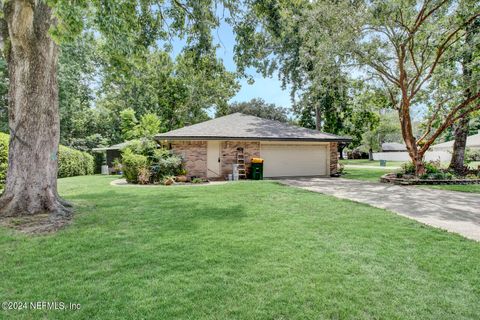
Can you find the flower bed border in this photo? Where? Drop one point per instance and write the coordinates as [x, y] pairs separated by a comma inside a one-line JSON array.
[[388, 178]]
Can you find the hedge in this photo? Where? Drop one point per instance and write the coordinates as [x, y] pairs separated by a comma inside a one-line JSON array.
[[4, 139], [71, 162]]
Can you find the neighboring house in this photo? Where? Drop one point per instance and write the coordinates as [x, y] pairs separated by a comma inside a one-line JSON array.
[[393, 151], [473, 142], [393, 147], [112, 153], [210, 148]]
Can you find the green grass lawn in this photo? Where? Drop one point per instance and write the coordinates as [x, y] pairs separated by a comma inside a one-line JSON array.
[[246, 250], [366, 162], [474, 164], [365, 173], [472, 188]]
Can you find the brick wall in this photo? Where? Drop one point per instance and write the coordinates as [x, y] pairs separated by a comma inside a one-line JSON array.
[[333, 157], [194, 153], [228, 153]]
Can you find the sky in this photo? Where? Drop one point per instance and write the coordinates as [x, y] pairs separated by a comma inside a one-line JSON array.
[[269, 89]]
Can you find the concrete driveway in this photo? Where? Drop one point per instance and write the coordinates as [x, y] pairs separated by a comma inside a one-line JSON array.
[[453, 211]]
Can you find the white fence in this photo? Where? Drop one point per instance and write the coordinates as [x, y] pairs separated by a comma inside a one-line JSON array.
[[443, 156]]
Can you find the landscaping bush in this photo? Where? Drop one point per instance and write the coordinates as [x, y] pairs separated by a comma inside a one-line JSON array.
[[144, 147], [131, 164], [408, 168], [166, 164], [142, 156], [472, 155], [433, 166], [4, 138], [72, 162], [144, 175], [170, 166], [430, 167]]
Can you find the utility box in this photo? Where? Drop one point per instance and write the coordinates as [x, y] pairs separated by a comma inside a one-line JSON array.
[[105, 170]]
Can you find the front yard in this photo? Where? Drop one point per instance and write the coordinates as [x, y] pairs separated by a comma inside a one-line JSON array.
[[246, 250]]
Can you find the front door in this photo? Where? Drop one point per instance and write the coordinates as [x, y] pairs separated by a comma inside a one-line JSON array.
[[213, 159]]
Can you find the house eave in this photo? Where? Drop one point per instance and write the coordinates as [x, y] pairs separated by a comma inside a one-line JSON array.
[[203, 138]]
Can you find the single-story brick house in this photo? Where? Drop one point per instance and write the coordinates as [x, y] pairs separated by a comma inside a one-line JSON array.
[[210, 148]]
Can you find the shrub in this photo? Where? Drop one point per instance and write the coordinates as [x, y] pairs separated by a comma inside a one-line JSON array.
[[472, 155], [198, 180], [408, 168], [4, 139], [72, 162], [425, 176], [168, 180], [430, 167], [166, 165], [131, 164], [144, 147], [144, 175], [433, 167]]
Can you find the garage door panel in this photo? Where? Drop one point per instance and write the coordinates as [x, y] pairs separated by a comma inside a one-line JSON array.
[[294, 160]]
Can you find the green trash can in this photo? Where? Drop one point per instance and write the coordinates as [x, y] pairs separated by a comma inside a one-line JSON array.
[[257, 171], [383, 163]]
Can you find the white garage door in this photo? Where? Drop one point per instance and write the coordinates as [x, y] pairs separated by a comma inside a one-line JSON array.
[[294, 160]]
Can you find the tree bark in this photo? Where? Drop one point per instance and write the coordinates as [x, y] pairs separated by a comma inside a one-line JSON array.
[[461, 130], [318, 118], [459, 146], [31, 184]]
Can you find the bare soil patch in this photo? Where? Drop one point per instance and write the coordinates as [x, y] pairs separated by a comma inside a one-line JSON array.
[[35, 224]]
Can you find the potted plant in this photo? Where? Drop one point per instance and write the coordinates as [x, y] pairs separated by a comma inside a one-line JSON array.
[[169, 180], [182, 176]]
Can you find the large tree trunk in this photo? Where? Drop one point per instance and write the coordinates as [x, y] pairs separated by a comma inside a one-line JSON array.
[[410, 140], [31, 185], [459, 146], [461, 130]]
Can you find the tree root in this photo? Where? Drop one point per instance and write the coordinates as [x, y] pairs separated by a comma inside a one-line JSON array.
[[52, 216]]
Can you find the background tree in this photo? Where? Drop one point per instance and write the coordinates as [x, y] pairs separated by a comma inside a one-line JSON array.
[[470, 64], [76, 80], [387, 130], [259, 108]]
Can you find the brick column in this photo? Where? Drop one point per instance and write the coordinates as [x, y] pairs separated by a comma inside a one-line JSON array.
[[333, 157]]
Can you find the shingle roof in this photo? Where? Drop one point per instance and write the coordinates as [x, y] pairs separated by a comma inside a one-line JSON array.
[[244, 127], [473, 141], [393, 146], [119, 146]]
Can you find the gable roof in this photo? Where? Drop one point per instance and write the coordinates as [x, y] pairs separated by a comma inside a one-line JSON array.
[[238, 126], [393, 146], [473, 141]]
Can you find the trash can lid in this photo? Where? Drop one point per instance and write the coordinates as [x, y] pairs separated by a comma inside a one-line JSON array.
[[257, 160]]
